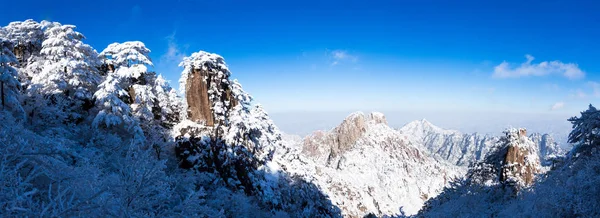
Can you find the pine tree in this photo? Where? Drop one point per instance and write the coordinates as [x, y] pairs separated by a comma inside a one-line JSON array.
[[27, 37], [70, 65], [586, 129], [9, 85], [127, 54], [167, 105], [113, 111], [131, 63], [69, 75]]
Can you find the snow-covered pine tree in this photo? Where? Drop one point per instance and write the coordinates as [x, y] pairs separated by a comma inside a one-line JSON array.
[[70, 65], [69, 74], [131, 62], [9, 85], [26, 36], [127, 54], [269, 137], [113, 111], [153, 103], [586, 130], [167, 105]]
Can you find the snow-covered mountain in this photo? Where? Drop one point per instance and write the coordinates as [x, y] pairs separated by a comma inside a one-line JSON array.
[[465, 149], [89, 134], [367, 167]]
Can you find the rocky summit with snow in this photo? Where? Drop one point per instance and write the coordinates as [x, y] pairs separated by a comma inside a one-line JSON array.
[[96, 134], [367, 167]]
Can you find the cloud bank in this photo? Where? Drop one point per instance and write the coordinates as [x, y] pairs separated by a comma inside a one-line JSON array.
[[568, 70]]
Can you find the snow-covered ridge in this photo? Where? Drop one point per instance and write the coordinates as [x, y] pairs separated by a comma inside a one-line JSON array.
[[420, 128], [464, 149], [365, 166]]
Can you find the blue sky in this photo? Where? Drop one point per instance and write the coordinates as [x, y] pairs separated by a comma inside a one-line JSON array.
[[365, 55]]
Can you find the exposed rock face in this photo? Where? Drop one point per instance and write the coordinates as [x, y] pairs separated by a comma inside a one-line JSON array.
[[346, 134], [517, 166], [328, 146], [521, 161], [196, 94]]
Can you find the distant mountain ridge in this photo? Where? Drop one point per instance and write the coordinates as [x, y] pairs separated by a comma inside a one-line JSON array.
[[364, 158], [464, 149]]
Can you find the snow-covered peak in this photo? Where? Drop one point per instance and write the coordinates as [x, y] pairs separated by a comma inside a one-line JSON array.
[[378, 118], [421, 128], [359, 117], [367, 167], [200, 60]]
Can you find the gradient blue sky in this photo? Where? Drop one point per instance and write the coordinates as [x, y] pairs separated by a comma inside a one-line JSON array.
[[364, 55]]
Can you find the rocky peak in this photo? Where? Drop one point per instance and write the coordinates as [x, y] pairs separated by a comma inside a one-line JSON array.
[[378, 118], [420, 129], [548, 148], [521, 162], [196, 95], [206, 82], [366, 166], [327, 146]]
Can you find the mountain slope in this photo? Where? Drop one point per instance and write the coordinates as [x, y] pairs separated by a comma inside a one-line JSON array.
[[367, 167]]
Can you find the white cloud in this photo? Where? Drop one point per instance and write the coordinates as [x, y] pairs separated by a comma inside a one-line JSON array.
[[168, 63], [558, 105], [568, 70], [174, 53], [341, 56]]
